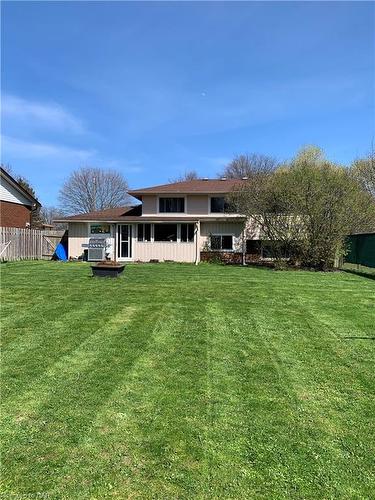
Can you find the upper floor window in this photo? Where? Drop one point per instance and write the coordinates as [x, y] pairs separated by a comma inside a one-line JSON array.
[[172, 205], [219, 204]]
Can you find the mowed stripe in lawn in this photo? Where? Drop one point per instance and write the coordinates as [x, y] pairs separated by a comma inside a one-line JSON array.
[[186, 382], [286, 409], [160, 411], [332, 382], [59, 407]]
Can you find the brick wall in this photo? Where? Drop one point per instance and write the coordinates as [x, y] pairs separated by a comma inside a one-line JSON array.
[[14, 214], [231, 257]]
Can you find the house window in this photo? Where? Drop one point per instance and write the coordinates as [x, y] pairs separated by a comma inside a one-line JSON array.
[[144, 232], [172, 205], [219, 205], [100, 229], [165, 232], [187, 233], [253, 247], [274, 249], [221, 242]]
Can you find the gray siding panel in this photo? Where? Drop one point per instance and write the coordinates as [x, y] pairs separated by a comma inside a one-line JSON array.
[[78, 234]]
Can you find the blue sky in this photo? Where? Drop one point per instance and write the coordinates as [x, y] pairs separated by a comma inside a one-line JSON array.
[[154, 89]]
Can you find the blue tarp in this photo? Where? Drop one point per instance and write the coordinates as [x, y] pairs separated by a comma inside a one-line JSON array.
[[60, 252]]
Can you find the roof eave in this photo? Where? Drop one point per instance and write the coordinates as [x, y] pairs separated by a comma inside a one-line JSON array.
[[139, 195], [19, 188], [156, 218]]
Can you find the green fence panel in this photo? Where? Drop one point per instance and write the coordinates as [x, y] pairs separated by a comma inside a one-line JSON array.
[[361, 249]]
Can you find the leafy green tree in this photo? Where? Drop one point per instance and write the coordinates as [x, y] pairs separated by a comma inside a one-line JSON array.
[[307, 206]]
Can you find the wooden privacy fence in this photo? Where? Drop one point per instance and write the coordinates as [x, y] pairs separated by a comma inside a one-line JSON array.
[[19, 244]]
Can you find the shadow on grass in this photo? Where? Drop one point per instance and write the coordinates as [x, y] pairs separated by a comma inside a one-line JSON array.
[[360, 273], [359, 338]]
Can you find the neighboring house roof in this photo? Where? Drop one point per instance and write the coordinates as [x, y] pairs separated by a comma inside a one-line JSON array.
[[11, 188], [198, 186]]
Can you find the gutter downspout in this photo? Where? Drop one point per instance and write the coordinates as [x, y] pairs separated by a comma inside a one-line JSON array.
[[244, 245], [197, 237], [115, 236]]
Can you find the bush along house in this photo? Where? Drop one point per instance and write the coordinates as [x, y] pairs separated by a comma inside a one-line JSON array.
[[183, 222]]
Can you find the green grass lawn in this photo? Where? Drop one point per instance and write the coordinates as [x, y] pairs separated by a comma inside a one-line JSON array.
[[358, 268], [177, 381]]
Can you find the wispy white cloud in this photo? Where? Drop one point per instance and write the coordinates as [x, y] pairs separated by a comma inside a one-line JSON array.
[[15, 149], [19, 148], [40, 114]]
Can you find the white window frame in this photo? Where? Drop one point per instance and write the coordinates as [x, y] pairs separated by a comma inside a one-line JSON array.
[[221, 236], [169, 223], [151, 233], [209, 205], [179, 234], [152, 240], [171, 196], [96, 235], [132, 239]]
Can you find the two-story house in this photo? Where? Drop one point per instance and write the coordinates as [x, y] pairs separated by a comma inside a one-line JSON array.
[[173, 222]]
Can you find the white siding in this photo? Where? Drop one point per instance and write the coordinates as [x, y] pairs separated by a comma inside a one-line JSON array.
[[197, 204], [78, 234], [233, 228], [11, 194], [164, 250], [253, 231], [194, 204], [160, 250], [149, 205]]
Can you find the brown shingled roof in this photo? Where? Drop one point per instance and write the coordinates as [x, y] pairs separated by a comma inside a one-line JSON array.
[[198, 186], [106, 215]]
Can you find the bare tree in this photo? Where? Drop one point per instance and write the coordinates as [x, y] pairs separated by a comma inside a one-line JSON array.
[[49, 214], [363, 170], [248, 166], [188, 175], [89, 189]]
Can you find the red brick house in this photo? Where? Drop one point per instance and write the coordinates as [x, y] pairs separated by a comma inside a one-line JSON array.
[[16, 204]]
